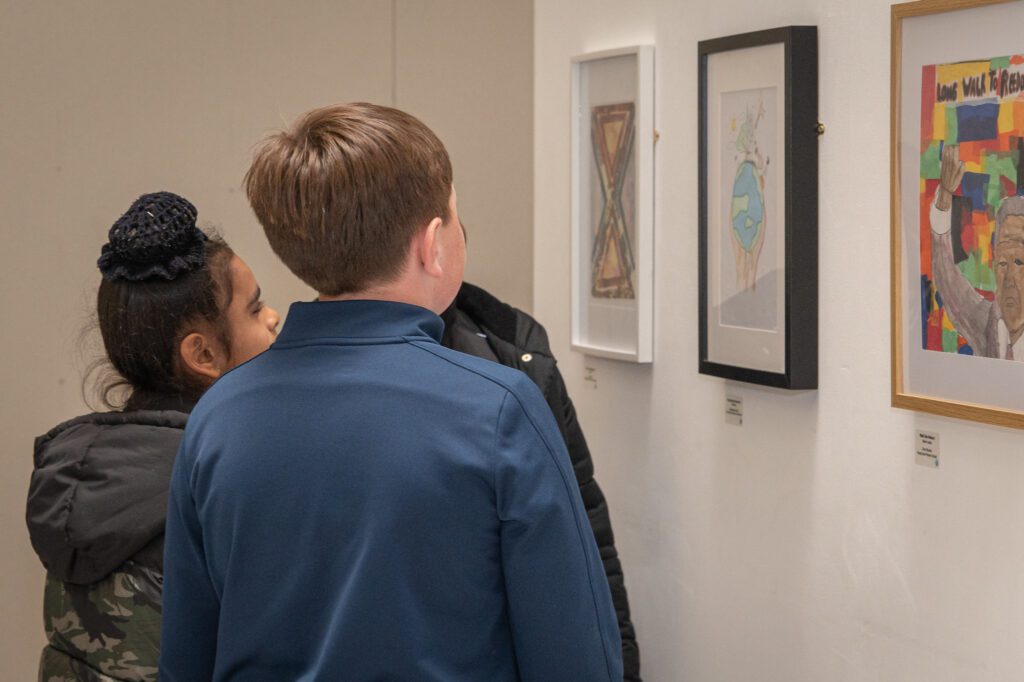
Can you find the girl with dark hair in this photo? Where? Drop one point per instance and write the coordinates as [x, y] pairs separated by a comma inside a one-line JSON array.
[[176, 309]]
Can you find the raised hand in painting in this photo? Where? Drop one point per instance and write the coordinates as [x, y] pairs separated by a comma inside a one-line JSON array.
[[974, 317], [950, 175]]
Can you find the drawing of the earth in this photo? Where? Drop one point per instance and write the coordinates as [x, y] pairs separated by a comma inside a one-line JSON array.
[[747, 205]]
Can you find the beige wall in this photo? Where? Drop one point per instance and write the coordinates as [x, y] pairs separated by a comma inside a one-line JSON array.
[[103, 101], [466, 68]]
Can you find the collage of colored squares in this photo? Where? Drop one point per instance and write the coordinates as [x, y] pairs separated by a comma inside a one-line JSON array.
[[979, 107]]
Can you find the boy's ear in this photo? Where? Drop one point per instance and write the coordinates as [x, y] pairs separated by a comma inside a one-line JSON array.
[[201, 355], [428, 247]]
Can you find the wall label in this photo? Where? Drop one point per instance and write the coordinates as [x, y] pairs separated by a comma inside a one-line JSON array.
[[927, 453], [734, 410]]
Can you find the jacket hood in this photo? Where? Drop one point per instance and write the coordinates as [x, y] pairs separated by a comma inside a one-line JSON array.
[[98, 493]]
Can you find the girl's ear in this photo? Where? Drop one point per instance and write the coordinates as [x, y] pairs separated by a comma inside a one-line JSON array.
[[202, 355]]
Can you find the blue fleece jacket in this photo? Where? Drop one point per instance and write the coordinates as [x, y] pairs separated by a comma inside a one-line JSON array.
[[361, 503]]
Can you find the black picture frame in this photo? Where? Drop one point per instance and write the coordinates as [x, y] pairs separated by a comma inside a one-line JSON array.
[[800, 147]]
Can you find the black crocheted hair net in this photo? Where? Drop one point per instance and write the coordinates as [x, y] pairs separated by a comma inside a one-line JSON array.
[[156, 238]]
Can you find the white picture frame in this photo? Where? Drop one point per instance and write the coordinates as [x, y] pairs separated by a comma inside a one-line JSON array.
[[612, 141]]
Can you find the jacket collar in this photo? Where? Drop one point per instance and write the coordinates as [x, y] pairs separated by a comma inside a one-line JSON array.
[[513, 338], [359, 321], [484, 309]]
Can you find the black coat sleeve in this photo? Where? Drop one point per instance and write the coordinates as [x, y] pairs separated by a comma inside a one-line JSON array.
[[597, 511]]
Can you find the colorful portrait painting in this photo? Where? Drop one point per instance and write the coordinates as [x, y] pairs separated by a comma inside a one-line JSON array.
[[972, 208]]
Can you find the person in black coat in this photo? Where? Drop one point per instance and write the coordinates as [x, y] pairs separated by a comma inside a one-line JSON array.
[[479, 324], [175, 309]]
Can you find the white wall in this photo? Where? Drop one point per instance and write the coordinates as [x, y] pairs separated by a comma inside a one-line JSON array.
[[805, 545], [103, 101]]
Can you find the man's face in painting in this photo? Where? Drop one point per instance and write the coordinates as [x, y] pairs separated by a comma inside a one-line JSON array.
[[1009, 269]]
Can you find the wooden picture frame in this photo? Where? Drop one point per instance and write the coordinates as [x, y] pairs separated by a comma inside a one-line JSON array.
[[957, 210], [758, 207], [613, 203]]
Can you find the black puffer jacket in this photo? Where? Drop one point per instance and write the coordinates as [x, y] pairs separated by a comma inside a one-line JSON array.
[[479, 324], [96, 508]]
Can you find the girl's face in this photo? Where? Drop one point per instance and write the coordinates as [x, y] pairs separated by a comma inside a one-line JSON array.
[[252, 325]]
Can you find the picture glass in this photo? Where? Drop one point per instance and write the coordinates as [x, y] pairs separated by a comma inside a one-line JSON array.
[[746, 208], [748, 293], [962, 205], [608, 203], [972, 264]]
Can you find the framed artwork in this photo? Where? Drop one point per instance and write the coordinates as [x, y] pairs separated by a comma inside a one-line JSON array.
[[758, 204], [958, 209], [613, 203]]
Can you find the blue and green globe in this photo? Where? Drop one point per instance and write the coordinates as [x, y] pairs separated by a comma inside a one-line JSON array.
[[747, 205]]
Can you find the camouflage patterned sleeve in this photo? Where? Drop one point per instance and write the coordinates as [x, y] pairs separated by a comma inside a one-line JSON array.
[[104, 632]]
